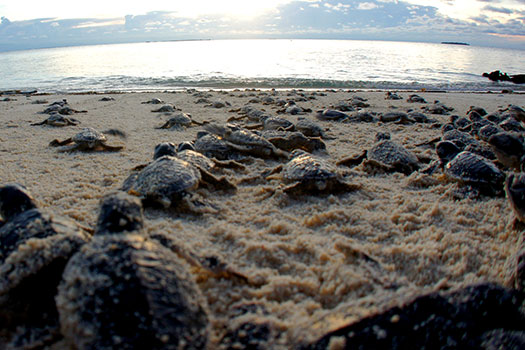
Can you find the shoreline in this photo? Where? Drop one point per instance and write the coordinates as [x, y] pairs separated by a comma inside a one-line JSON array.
[[301, 251]]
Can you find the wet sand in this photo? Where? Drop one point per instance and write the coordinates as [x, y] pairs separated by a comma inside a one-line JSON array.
[[313, 263]]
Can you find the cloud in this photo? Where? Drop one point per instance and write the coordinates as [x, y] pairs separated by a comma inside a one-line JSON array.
[[498, 9], [338, 19]]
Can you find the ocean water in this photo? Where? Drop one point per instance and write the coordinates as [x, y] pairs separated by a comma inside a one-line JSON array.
[[259, 64]]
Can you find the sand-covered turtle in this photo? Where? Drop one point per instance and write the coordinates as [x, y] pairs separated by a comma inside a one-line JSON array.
[[308, 174], [246, 141], [126, 291], [179, 121], [88, 139], [56, 119], [169, 180], [474, 170], [34, 248], [385, 156], [515, 190]]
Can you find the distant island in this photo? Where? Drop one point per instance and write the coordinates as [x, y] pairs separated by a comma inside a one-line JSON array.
[[454, 43]]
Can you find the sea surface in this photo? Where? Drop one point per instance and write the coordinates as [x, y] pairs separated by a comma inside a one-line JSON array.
[[225, 64]]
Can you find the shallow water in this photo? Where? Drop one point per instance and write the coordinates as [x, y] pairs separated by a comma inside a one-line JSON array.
[[259, 63]]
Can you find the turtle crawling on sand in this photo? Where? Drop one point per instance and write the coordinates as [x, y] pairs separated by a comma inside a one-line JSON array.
[[56, 119], [168, 180], [179, 121], [88, 139], [34, 248], [246, 141], [385, 156], [307, 174], [477, 172], [124, 290], [154, 101]]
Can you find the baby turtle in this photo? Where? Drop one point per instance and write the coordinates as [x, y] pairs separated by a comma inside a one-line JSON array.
[[392, 157], [332, 114], [392, 96], [168, 108], [438, 108], [473, 170], [509, 148], [289, 141], [385, 156], [246, 141], [34, 248], [126, 291], [515, 190], [310, 128], [168, 180], [416, 99], [307, 174], [56, 119], [154, 101], [88, 139], [179, 121]]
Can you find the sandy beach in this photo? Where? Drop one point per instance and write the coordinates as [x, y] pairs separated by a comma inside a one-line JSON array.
[[313, 262]]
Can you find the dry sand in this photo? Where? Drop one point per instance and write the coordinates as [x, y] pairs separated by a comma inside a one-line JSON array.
[[314, 262]]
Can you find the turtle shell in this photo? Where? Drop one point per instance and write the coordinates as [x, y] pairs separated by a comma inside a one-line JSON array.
[[472, 169], [196, 158], [34, 249], [89, 136], [303, 167], [125, 291], [166, 180], [394, 155], [213, 146]]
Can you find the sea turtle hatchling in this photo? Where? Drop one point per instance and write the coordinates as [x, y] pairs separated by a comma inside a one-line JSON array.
[[34, 248], [124, 290], [179, 121], [246, 141], [167, 108], [385, 156], [332, 115], [153, 101], [477, 172], [168, 180], [307, 174], [56, 119], [88, 139]]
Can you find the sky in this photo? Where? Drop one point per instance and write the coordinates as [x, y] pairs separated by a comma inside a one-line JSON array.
[[52, 23]]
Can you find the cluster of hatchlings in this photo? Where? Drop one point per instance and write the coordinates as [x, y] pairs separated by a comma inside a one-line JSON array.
[[116, 286]]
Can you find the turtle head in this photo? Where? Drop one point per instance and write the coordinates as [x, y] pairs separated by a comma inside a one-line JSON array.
[[164, 149], [14, 199], [185, 145], [119, 213]]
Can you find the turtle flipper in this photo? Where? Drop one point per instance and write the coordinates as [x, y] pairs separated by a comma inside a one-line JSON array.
[[166, 125], [109, 148], [40, 123], [56, 143], [221, 183]]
